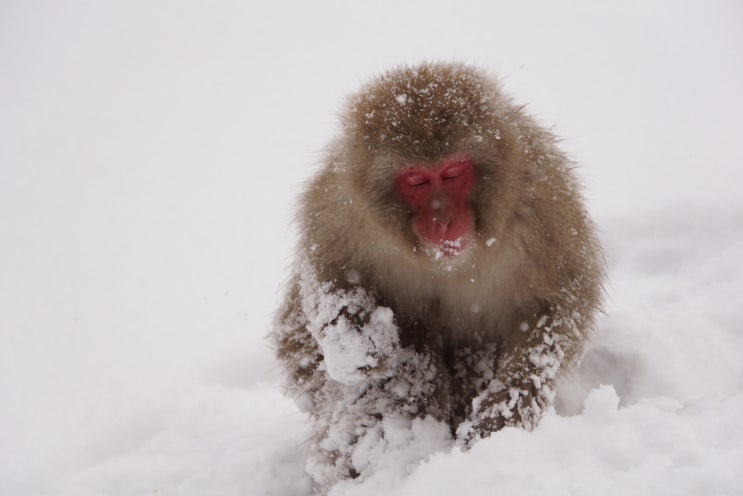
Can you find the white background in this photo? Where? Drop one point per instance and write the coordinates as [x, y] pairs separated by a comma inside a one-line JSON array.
[[150, 152]]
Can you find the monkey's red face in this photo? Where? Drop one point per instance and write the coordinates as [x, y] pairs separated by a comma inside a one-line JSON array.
[[439, 198]]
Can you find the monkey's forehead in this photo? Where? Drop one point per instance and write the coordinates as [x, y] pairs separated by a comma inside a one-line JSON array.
[[425, 109]]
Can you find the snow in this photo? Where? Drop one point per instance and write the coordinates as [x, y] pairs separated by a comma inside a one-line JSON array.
[[149, 159]]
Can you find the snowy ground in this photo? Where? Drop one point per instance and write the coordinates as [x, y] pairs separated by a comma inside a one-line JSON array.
[[149, 154]]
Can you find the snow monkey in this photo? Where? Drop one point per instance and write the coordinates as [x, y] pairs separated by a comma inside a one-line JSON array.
[[447, 270]]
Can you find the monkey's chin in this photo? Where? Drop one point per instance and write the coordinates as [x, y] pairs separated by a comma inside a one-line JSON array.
[[446, 250]]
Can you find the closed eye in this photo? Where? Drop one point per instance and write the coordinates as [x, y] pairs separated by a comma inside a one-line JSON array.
[[453, 172], [416, 180]]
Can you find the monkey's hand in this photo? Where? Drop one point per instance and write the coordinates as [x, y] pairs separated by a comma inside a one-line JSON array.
[[521, 390], [358, 338], [500, 406], [360, 346]]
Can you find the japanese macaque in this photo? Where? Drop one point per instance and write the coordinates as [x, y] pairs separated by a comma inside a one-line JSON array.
[[447, 271]]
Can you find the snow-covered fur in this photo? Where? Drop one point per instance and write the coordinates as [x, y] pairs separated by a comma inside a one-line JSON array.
[[391, 347], [367, 394]]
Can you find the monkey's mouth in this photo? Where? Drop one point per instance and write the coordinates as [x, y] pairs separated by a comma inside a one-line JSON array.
[[439, 247], [453, 248], [443, 237], [447, 249]]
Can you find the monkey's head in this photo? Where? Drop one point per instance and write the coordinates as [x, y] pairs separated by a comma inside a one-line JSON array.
[[443, 196], [428, 147]]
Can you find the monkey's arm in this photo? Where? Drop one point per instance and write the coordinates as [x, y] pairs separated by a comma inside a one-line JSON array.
[[522, 388], [297, 351]]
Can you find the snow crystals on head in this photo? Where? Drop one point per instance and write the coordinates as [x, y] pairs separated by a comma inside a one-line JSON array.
[[427, 109]]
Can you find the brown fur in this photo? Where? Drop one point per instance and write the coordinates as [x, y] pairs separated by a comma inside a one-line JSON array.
[[535, 260], [526, 199]]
